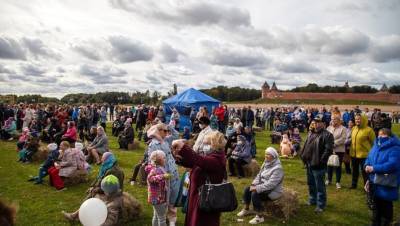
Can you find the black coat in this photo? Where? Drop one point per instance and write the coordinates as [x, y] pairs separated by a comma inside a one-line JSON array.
[[317, 149]]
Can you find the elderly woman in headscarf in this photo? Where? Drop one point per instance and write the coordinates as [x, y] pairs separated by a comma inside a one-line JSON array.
[[9, 129], [162, 137], [127, 135], [240, 156], [99, 145], [266, 186]]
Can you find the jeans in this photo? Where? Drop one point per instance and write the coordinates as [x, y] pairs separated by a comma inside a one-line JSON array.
[[358, 164], [338, 169], [383, 212], [256, 198], [160, 215], [316, 186]]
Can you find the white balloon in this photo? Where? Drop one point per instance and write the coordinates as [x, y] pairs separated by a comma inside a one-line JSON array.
[[93, 212]]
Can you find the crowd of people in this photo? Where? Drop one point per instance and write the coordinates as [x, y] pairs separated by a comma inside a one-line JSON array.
[[76, 137]]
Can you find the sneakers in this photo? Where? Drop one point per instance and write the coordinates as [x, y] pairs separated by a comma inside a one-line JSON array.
[[244, 212], [11, 139], [318, 210], [327, 182], [256, 220], [338, 186], [68, 216]]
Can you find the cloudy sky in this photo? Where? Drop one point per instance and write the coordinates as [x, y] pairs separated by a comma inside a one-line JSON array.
[[54, 47]]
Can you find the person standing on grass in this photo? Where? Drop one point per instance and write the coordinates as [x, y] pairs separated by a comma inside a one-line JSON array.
[[315, 153], [161, 140], [383, 160], [362, 139], [339, 135]]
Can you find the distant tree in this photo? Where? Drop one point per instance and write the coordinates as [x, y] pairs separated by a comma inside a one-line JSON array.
[[394, 89]]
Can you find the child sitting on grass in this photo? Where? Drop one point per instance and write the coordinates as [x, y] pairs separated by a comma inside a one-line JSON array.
[[51, 158], [157, 181], [286, 146]]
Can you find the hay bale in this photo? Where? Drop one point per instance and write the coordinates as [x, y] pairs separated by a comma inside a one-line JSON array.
[[78, 177], [40, 155], [251, 169], [131, 208], [257, 129], [134, 146], [284, 207]]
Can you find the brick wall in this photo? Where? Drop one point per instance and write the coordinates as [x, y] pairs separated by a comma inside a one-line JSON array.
[[380, 96]]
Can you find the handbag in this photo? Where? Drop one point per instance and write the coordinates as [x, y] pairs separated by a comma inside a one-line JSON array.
[[217, 197], [388, 180], [334, 160]]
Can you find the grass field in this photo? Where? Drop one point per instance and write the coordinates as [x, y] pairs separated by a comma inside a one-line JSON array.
[[42, 204]]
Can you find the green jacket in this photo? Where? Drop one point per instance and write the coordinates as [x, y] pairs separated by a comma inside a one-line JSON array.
[[362, 139]]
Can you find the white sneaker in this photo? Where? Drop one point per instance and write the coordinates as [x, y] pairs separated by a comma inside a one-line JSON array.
[[244, 212], [256, 220], [338, 186], [132, 182], [327, 182]]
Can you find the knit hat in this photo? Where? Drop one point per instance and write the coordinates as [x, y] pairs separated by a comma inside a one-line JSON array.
[[52, 147], [110, 184]]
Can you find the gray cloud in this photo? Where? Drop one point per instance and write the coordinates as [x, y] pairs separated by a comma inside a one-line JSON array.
[[103, 75], [11, 49], [30, 69], [193, 13], [61, 70], [232, 55], [297, 67], [386, 49], [335, 40], [126, 50], [87, 51], [37, 48], [6, 70], [169, 53]]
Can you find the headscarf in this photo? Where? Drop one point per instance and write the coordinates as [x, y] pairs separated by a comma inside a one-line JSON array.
[[109, 161], [7, 123], [275, 155], [52, 146]]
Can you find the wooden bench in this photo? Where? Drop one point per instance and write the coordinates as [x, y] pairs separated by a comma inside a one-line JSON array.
[[284, 207]]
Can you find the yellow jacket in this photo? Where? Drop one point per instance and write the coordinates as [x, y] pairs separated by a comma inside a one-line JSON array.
[[362, 139]]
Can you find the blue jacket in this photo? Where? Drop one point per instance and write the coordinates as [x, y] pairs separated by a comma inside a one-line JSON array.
[[385, 159]]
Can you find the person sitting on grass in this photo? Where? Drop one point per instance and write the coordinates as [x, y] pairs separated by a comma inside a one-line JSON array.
[[64, 167], [140, 166], [295, 139], [52, 156], [9, 130], [286, 146], [70, 135], [109, 166], [23, 138], [240, 156], [111, 195], [230, 130], [126, 137], [30, 148], [265, 187], [99, 146]]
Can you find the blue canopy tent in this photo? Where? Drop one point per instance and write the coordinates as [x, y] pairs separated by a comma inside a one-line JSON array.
[[184, 101]]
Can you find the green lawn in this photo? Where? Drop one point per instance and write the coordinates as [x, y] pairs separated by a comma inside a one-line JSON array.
[[42, 204]]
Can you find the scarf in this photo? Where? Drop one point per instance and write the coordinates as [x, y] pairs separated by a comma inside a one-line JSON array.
[[108, 162]]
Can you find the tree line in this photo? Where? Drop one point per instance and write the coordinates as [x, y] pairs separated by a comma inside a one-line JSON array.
[[314, 88]]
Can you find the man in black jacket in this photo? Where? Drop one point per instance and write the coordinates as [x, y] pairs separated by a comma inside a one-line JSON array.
[[315, 153]]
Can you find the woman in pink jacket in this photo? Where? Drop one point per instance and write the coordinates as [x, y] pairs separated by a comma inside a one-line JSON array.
[[70, 135]]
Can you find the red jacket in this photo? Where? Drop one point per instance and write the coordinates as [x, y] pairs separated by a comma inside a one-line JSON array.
[[71, 133], [220, 113], [213, 165]]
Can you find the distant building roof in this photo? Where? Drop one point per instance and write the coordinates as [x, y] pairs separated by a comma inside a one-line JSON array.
[[274, 87], [265, 85], [384, 88]]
